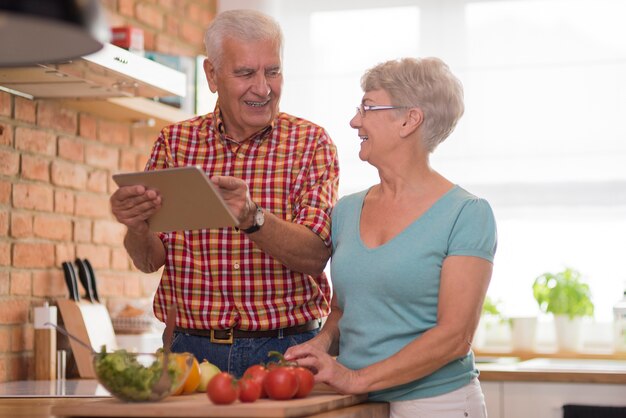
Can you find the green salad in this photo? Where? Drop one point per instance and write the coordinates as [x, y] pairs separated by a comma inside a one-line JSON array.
[[122, 374]]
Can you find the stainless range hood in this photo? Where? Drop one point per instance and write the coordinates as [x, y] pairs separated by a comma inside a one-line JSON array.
[[110, 72]]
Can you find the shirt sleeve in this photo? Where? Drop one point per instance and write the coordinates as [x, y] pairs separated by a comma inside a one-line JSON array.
[[318, 193], [474, 232]]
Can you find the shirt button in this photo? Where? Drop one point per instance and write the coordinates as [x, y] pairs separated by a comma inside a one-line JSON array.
[[236, 266]]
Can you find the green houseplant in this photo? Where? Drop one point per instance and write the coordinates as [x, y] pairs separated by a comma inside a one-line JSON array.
[[568, 298], [563, 293]]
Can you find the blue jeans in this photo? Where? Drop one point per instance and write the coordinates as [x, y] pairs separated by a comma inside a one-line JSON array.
[[235, 358]]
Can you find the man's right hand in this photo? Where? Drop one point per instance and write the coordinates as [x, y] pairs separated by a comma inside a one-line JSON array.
[[133, 205]]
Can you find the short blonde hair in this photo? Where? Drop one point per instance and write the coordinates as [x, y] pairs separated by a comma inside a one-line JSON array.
[[426, 83], [243, 24]]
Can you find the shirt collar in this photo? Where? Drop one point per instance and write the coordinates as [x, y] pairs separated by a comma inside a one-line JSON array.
[[260, 135]]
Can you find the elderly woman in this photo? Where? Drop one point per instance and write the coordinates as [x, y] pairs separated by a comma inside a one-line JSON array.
[[412, 256]]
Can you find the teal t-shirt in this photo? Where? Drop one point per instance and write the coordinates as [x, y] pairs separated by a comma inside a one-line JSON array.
[[389, 294]]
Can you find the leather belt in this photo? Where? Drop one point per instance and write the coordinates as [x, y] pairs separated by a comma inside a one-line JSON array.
[[226, 336]]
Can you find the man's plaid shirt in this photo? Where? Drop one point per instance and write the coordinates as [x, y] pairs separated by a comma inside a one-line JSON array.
[[218, 277]]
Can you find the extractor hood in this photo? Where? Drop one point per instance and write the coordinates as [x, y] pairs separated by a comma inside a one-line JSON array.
[[110, 72]]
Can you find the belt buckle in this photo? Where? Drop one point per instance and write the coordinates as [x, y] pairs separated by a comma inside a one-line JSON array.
[[228, 340]]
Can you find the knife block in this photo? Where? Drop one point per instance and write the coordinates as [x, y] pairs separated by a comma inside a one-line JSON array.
[[91, 323]]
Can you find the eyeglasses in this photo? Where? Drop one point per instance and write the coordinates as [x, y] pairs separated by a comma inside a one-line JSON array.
[[362, 108]]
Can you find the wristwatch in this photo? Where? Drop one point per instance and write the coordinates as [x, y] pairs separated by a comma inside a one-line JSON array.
[[259, 220]]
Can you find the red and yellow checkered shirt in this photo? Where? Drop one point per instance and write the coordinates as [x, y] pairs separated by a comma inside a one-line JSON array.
[[218, 277]]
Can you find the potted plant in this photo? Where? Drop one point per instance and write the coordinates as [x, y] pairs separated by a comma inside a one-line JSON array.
[[568, 298], [490, 317]]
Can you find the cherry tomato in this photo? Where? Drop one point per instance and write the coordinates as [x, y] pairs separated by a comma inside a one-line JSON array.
[[281, 383], [223, 389], [249, 389], [306, 380], [257, 373]]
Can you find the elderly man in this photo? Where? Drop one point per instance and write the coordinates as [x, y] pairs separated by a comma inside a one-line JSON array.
[[242, 292]]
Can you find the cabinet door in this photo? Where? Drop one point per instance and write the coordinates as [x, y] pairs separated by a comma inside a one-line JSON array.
[[493, 398], [530, 399]]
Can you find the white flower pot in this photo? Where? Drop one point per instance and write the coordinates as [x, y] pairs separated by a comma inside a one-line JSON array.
[[523, 333], [568, 332]]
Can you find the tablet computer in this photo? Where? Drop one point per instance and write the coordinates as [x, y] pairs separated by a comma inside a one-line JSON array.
[[189, 199]]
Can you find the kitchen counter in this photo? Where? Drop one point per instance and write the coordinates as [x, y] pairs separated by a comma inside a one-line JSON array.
[[39, 399], [553, 370]]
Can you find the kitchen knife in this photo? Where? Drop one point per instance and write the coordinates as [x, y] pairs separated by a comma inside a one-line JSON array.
[[70, 280], [92, 274], [85, 279]]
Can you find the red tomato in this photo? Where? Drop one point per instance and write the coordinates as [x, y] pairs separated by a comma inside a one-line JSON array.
[[306, 380], [281, 383], [249, 389], [223, 389], [257, 373]]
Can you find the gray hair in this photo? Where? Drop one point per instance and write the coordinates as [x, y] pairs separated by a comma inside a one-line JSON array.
[[426, 83], [243, 24]]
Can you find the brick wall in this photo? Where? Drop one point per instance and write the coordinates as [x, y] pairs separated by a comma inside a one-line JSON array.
[[55, 181]]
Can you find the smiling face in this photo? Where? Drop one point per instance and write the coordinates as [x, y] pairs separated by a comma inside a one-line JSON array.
[[376, 129], [248, 82]]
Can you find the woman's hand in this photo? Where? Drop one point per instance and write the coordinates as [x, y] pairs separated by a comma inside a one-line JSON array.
[[326, 368]]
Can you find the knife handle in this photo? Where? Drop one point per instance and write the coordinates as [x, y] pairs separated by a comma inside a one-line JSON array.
[[70, 280], [85, 279], [94, 287]]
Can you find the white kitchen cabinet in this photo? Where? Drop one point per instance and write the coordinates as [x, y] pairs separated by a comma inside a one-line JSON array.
[[537, 399]]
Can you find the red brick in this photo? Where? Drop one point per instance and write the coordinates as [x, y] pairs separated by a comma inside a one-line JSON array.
[[192, 33], [149, 40], [64, 202], [172, 24], [21, 225], [22, 338], [5, 104], [35, 141], [9, 162], [4, 223], [32, 196], [5, 254], [71, 149], [97, 181], [149, 14], [127, 160], [82, 231], [98, 255], [49, 283], [108, 232], [4, 285], [4, 365], [51, 115], [143, 140], [150, 283], [25, 110], [5, 340], [5, 192], [92, 206], [116, 133], [64, 252], [132, 287], [35, 168], [140, 163], [19, 368], [52, 227], [14, 311], [6, 134], [101, 156], [126, 7], [68, 175], [111, 284], [33, 255], [120, 259], [87, 126], [20, 283]]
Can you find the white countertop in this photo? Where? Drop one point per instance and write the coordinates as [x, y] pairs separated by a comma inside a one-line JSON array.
[[72, 388]]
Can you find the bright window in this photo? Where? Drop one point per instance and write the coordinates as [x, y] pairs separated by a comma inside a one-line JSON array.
[[542, 139]]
